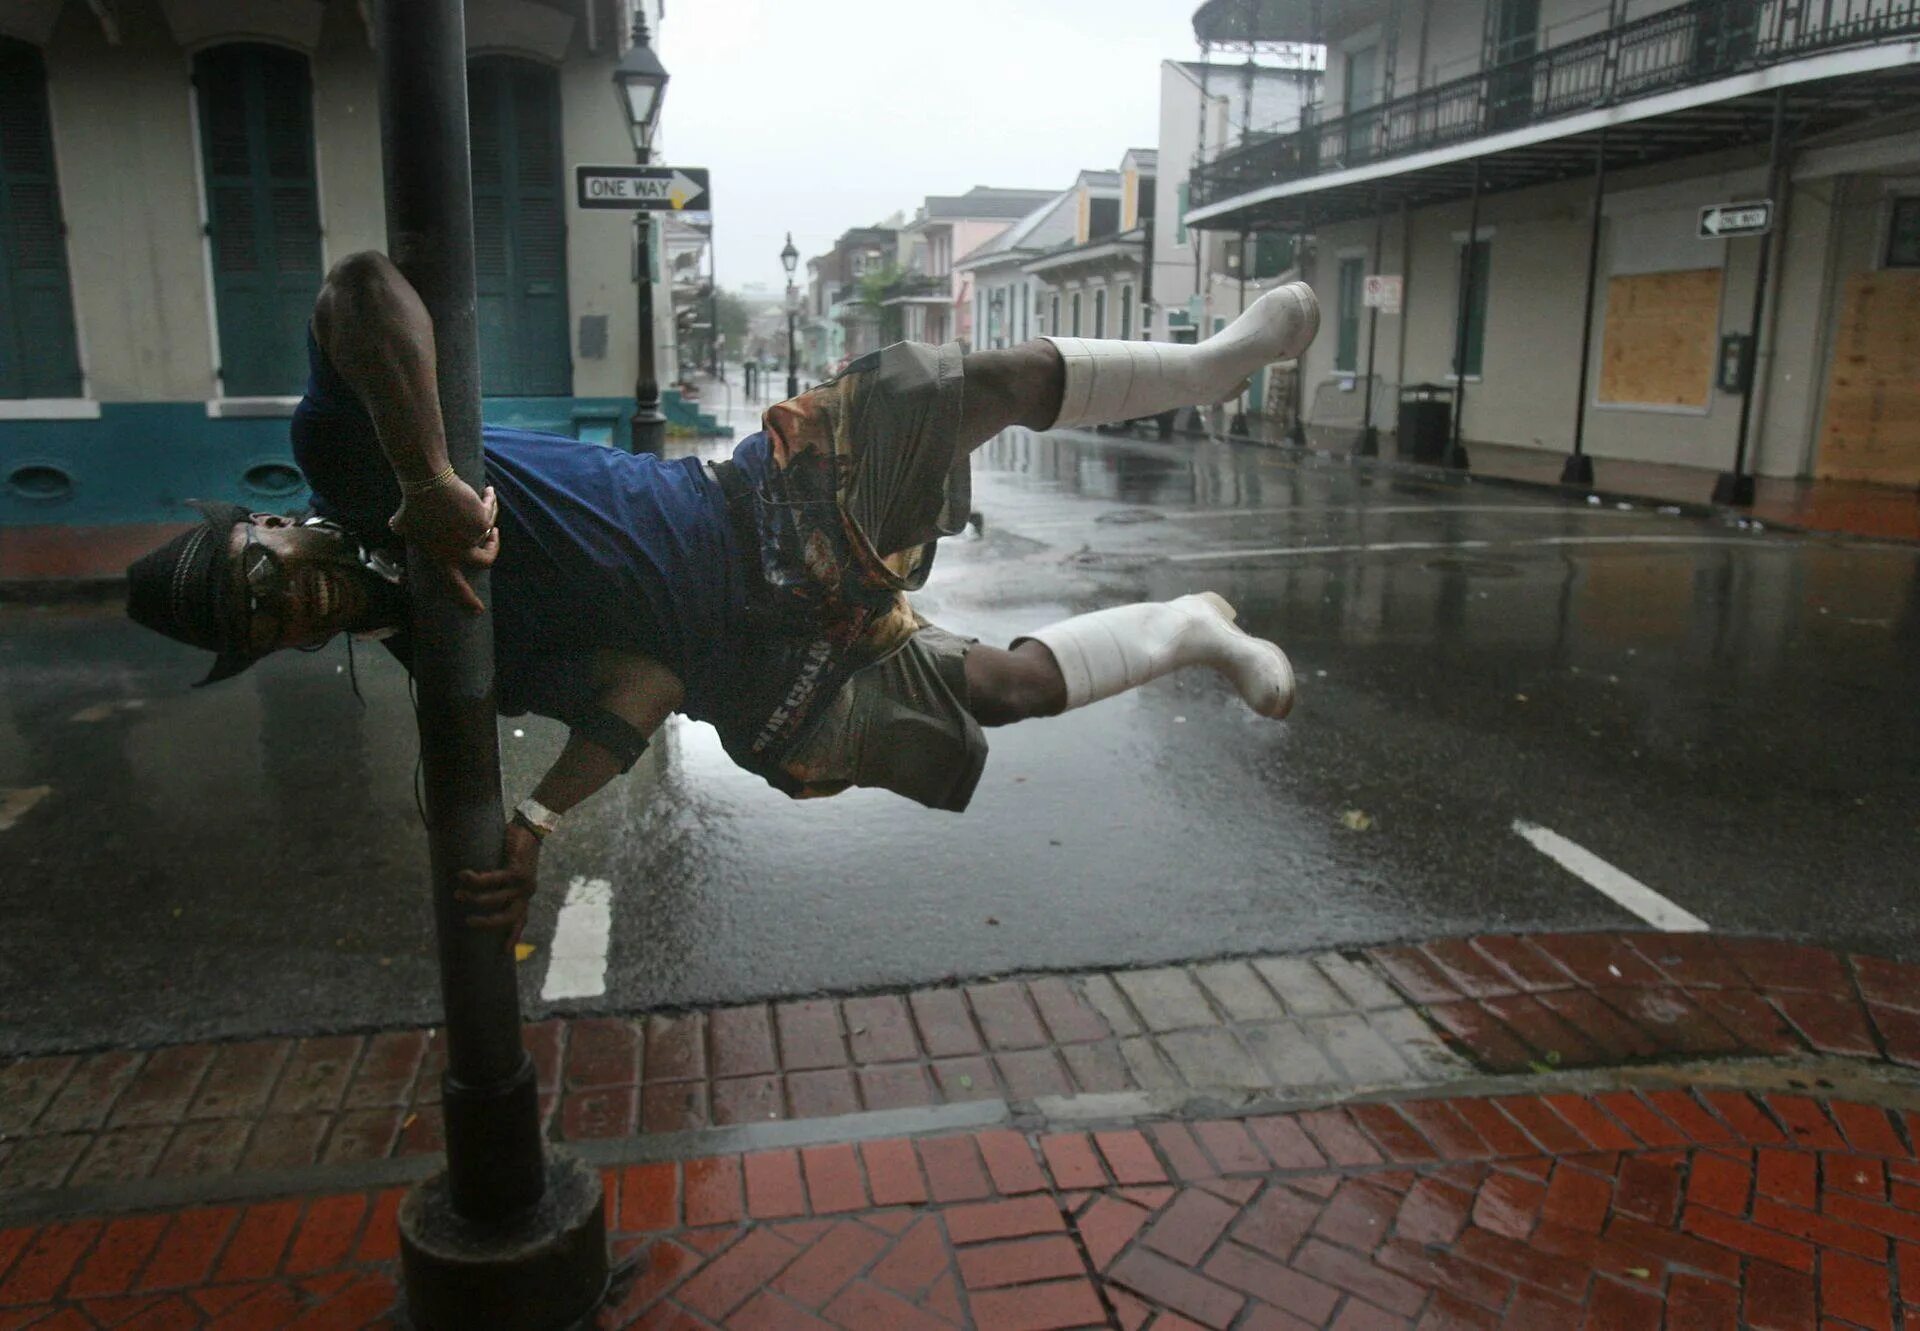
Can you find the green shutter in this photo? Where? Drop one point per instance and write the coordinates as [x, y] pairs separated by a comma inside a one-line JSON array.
[[1184, 192], [519, 229], [39, 356], [1476, 304], [263, 213], [1346, 351], [1272, 254]]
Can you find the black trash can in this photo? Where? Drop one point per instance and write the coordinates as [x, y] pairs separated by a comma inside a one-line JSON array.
[[1426, 421]]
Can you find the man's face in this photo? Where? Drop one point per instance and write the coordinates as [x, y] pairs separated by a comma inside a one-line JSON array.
[[298, 585]]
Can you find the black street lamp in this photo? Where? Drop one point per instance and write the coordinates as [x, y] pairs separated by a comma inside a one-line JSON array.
[[789, 259], [642, 82]]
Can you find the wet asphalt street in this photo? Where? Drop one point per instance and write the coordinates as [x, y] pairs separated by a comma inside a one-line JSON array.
[[1727, 716]]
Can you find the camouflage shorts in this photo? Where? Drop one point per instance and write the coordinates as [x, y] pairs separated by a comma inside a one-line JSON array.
[[866, 473]]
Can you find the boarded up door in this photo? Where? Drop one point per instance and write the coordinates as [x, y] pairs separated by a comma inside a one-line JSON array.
[[263, 217], [519, 229], [1871, 430]]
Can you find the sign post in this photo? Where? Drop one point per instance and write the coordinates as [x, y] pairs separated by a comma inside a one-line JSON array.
[[1722, 220], [642, 190]]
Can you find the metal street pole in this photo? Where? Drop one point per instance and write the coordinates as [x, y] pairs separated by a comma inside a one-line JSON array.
[[504, 1236], [1579, 467], [1369, 445], [1735, 488], [793, 350], [1456, 456], [649, 426]]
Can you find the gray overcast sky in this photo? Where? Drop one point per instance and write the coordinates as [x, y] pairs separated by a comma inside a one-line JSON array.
[[818, 115]]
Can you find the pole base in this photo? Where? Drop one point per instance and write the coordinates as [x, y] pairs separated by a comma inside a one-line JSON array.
[[1578, 471], [649, 432], [1733, 490], [1454, 458], [1297, 433], [543, 1271], [1369, 444]]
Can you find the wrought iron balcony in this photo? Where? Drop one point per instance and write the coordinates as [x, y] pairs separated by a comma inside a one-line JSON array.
[[1690, 43]]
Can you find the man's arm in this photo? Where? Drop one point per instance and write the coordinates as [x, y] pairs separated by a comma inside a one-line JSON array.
[[640, 692], [374, 329]]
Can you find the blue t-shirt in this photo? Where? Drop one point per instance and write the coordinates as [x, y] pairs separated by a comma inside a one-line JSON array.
[[599, 548]]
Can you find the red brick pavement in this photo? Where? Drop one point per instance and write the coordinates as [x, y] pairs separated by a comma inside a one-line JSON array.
[[1690, 1210], [1504, 1003]]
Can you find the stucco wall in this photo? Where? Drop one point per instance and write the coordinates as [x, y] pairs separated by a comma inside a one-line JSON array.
[[1527, 392]]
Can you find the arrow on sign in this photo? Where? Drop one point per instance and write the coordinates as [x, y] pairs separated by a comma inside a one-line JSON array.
[[681, 188]]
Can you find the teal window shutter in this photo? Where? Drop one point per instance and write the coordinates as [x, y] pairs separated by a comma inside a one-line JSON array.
[[519, 228], [39, 355], [1476, 304], [1272, 253], [263, 213], [1346, 349]]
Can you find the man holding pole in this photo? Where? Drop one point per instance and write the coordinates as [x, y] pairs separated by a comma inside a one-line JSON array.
[[766, 594]]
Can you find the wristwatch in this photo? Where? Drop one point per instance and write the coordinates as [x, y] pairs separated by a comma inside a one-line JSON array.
[[539, 819]]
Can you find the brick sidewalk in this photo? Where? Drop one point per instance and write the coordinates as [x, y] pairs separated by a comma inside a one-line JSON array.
[[1615, 1210], [1281, 1029]]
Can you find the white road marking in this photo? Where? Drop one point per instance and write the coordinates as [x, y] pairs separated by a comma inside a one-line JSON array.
[[1624, 889], [15, 801], [1381, 547], [577, 961], [1353, 510]]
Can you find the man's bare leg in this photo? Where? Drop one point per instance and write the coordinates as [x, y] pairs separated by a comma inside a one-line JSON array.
[[1018, 386], [1056, 381], [1072, 381]]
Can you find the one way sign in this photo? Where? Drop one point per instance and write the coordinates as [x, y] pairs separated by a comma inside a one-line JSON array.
[[660, 189], [1736, 219]]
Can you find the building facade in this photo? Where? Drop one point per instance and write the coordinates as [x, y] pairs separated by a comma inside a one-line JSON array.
[[1093, 286], [935, 302], [1006, 298], [1550, 182], [181, 173], [1204, 108]]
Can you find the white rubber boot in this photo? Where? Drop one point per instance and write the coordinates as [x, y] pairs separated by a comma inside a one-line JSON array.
[[1111, 651], [1114, 380]]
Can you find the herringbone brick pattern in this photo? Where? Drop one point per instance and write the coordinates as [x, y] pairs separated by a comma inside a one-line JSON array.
[[1692, 1211]]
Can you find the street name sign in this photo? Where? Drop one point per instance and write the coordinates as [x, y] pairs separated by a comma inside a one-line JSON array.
[[654, 189], [1736, 219], [1381, 292]]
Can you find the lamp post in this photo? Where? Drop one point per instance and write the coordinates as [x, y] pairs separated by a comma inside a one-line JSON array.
[[642, 83], [789, 259]]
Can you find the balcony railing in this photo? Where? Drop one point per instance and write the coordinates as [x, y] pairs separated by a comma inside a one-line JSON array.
[[1690, 43]]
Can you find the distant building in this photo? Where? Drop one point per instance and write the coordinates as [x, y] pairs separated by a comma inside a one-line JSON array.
[[179, 175], [935, 303], [840, 322], [1006, 298], [1091, 286]]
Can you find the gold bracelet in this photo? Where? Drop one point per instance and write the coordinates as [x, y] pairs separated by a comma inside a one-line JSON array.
[[412, 488]]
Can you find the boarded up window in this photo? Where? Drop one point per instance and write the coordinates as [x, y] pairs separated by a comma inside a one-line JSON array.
[[1871, 430], [1661, 336]]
